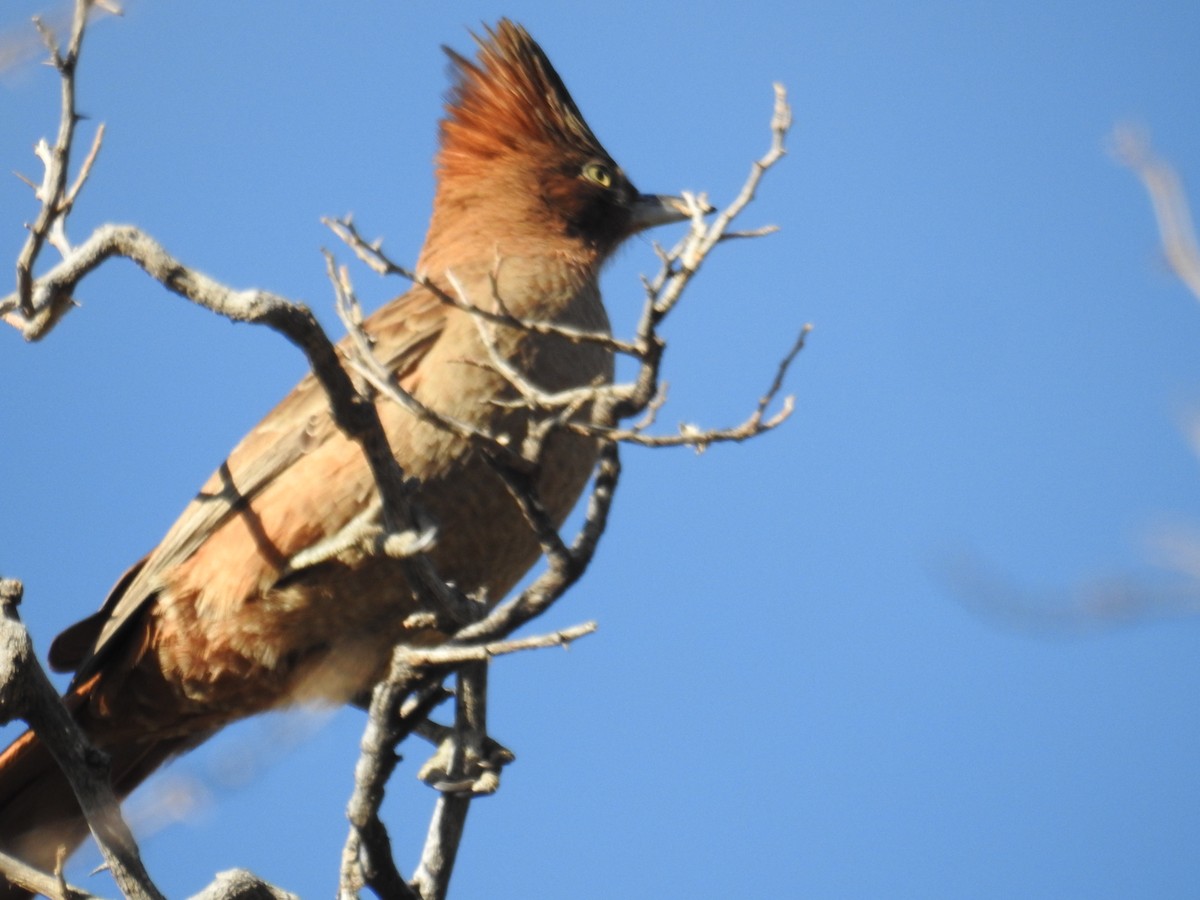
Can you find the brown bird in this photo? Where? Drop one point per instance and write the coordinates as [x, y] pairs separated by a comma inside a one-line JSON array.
[[250, 602]]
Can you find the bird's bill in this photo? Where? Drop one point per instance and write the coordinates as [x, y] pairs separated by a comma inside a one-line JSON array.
[[657, 209]]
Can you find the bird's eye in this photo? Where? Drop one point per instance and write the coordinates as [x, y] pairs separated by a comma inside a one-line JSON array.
[[598, 174]]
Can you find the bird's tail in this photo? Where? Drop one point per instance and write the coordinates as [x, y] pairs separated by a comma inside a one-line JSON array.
[[39, 815]]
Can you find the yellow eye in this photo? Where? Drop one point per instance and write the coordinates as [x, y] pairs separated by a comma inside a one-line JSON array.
[[598, 174]]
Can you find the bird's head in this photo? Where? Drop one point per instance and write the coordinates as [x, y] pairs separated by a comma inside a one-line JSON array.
[[518, 163]]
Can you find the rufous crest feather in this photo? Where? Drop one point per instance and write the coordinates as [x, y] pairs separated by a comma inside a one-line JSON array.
[[508, 100]]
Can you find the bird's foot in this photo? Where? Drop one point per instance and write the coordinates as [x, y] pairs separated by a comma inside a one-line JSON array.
[[465, 770]]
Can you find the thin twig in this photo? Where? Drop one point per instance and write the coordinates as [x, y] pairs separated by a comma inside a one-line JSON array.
[[453, 655], [364, 362], [371, 254], [563, 572], [53, 193]]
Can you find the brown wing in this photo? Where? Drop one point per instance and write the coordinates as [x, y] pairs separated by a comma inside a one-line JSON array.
[[292, 481]]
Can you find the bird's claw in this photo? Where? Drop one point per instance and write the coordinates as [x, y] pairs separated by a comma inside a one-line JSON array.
[[476, 772]]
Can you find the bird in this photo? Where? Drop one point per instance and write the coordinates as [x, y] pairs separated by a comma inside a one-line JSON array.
[[253, 601]]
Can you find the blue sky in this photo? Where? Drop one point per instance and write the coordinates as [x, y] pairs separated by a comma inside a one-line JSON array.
[[787, 695]]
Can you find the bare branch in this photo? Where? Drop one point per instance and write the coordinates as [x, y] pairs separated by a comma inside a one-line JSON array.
[[353, 414], [371, 253], [367, 859], [432, 877], [365, 363], [551, 584], [238, 884], [54, 195], [402, 703], [26, 693], [85, 170], [456, 655], [38, 882], [678, 267], [691, 436]]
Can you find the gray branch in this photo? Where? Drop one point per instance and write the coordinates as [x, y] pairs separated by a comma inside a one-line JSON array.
[[402, 703], [26, 693]]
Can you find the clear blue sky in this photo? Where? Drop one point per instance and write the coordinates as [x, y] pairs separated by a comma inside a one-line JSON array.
[[786, 696]]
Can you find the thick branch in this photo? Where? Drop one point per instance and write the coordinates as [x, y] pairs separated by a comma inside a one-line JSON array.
[[238, 884], [38, 882], [367, 858], [26, 693]]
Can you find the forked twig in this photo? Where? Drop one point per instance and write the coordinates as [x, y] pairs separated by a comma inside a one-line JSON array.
[[402, 703]]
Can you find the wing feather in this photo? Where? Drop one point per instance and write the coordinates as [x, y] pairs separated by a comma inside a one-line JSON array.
[[259, 493]]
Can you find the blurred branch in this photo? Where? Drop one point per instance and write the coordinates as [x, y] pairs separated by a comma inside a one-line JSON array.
[[1087, 607], [1162, 183], [1117, 600], [38, 882]]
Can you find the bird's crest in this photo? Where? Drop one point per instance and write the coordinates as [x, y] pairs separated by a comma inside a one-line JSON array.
[[510, 100]]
